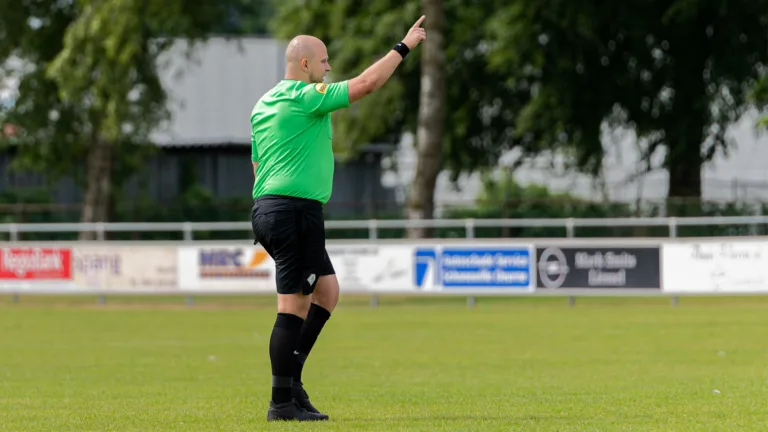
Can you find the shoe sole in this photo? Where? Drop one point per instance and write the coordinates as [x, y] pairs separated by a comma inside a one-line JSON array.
[[276, 417], [308, 408]]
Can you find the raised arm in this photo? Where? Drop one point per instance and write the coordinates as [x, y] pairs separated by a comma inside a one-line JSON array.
[[378, 73]]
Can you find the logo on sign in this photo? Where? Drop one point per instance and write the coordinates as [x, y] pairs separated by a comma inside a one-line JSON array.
[[36, 263], [553, 267], [233, 263], [472, 267], [425, 263], [98, 263]]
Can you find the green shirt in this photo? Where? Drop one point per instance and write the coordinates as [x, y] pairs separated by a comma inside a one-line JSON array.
[[291, 139]]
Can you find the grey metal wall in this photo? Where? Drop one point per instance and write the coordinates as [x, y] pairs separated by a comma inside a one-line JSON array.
[[226, 173]]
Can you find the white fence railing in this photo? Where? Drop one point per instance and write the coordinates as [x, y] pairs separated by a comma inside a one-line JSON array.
[[373, 226]]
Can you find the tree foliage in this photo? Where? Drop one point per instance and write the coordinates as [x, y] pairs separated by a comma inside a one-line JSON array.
[[31, 36], [678, 72], [246, 17], [89, 92]]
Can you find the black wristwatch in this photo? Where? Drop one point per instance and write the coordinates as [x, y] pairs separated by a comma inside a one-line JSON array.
[[402, 49]]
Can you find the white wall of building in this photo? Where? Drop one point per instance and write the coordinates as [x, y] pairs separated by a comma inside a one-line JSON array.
[[742, 174]]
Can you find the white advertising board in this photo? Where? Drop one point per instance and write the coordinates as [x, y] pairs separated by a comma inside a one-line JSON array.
[[368, 267], [715, 266], [226, 268], [358, 268], [124, 268]]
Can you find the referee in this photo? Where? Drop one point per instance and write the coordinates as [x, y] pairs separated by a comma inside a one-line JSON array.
[[293, 166]]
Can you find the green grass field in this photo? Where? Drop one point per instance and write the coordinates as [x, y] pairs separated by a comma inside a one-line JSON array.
[[68, 364]]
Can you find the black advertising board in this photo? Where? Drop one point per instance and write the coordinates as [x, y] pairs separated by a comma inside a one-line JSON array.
[[598, 267]]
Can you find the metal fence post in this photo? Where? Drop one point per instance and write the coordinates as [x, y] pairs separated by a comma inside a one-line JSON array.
[[754, 229], [100, 231], [372, 229], [13, 231], [672, 223], [470, 227], [187, 229], [570, 227]]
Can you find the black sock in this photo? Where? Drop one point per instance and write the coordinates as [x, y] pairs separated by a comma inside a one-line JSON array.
[[282, 345], [314, 323]]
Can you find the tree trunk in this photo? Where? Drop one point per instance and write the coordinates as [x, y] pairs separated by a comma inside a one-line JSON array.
[[684, 130], [98, 175], [684, 136], [431, 123], [684, 166]]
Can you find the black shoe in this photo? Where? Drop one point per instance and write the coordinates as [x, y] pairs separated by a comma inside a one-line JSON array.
[[300, 395], [291, 411]]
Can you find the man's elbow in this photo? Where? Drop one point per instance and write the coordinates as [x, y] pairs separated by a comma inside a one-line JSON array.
[[360, 87]]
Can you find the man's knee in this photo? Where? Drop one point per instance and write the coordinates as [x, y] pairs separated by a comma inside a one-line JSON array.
[[326, 292], [294, 304]]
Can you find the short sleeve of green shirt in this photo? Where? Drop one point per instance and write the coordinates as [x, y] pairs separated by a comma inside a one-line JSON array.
[[322, 98]]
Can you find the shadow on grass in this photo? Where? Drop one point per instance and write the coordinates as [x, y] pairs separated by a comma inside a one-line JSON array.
[[514, 418]]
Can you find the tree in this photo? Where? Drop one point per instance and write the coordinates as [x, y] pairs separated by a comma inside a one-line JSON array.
[[91, 94], [31, 35], [677, 72], [431, 126], [478, 103]]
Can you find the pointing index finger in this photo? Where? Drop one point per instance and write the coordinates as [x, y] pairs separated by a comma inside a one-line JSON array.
[[418, 23]]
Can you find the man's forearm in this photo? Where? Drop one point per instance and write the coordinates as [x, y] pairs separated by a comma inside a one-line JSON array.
[[378, 73]]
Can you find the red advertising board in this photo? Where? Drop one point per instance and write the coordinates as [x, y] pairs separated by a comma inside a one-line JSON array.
[[28, 263]]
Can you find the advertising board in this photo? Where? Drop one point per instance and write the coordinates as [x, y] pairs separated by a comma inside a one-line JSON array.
[[729, 266], [225, 268], [370, 267], [139, 268], [559, 267], [35, 264], [474, 267]]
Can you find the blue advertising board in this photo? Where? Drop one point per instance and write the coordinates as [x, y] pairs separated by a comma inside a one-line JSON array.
[[474, 267]]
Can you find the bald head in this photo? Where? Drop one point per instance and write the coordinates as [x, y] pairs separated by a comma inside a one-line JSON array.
[[306, 59], [302, 46]]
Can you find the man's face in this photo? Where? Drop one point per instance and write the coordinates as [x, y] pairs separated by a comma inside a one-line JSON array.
[[319, 65]]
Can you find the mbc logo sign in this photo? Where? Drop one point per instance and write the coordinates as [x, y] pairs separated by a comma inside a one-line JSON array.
[[234, 263]]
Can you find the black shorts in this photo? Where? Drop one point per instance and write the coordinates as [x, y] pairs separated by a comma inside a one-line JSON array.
[[292, 231]]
